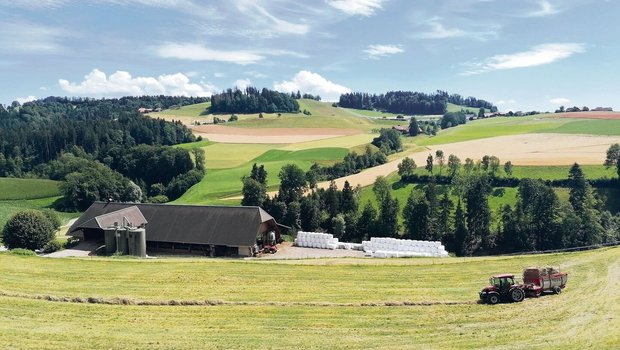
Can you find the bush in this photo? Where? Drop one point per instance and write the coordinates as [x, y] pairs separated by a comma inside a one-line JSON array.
[[52, 246], [21, 251], [53, 218], [162, 198], [28, 229]]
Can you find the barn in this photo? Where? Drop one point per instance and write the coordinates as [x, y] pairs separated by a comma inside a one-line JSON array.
[[210, 230]]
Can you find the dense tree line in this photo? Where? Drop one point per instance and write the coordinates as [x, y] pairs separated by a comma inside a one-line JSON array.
[[467, 101], [405, 102], [351, 164], [40, 131], [307, 96], [409, 102], [100, 149], [252, 100]]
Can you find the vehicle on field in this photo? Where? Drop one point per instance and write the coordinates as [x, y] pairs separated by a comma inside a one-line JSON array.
[[542, 280], [502, 288], [536, 281]]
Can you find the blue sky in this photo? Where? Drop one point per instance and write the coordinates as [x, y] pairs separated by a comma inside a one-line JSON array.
[[521, 54]]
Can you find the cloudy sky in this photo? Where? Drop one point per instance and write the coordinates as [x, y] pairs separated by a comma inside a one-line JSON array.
[[521, 54]]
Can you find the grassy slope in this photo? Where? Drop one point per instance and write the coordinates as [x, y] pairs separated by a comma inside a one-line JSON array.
[[11, 189], [194, 110], [584, 316], [229, 180]]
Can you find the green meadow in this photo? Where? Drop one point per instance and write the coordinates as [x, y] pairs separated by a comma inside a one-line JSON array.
[[310, 304]]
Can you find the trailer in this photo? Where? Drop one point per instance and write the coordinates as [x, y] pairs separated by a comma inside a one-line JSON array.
[[542, 280]]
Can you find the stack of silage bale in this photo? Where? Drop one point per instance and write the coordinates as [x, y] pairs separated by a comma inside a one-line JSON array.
[[316, 240], [385, 247]]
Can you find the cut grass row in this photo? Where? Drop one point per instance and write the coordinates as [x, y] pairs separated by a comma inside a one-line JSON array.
[[584, 316]]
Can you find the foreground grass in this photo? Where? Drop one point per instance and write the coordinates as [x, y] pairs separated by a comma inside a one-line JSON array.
[[574, 319]]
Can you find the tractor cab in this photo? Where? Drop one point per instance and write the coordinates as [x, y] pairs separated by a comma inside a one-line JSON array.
[[502, 282], [502, 287]]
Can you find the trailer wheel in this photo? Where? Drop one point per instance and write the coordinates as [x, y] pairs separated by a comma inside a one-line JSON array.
[[557, 290], [493, 298], [517, 295]]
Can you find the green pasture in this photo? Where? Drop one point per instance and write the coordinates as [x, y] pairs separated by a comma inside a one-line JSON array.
[[219, 183], [12, 188], [589, 127], [323, 303], [456, 108], [194, 110], [232, 155], [350, 142]]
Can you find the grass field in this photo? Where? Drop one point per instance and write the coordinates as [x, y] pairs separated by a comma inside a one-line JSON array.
[[220, 183], [11, 188], [325, 303]]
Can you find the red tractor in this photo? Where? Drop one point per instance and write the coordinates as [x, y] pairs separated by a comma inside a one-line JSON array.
[[535, 282], [502, 288]]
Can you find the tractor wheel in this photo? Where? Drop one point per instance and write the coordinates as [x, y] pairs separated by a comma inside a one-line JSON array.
[[493, 298], [557, 290], [517, 295]]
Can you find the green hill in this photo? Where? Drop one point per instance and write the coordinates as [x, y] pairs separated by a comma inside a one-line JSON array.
[[323, 303]]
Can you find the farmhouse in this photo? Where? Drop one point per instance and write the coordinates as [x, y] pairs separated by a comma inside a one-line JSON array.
[[212, 230]]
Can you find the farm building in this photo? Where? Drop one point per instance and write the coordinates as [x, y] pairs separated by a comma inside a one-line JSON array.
[[212, 230]]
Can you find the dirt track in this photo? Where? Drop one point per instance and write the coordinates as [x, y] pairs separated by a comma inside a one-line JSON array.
[[227, 134]]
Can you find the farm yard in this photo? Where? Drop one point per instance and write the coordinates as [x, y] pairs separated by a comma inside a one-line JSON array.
[[359, 303]]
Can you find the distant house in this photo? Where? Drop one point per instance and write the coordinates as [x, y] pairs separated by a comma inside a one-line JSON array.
[[212, 230], [401, 129], [602, 109], [145, 110], [471, 116]]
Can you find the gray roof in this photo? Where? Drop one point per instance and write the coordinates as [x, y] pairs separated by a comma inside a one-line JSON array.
[[130, 215], [219, 225]]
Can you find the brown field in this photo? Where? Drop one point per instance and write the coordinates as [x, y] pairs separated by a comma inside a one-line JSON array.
[[589, 115], [228, 134]]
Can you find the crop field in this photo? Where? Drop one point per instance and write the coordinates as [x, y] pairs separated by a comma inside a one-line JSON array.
[[322, 303]]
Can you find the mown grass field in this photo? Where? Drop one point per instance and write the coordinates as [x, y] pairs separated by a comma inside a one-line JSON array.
[[323, 304]]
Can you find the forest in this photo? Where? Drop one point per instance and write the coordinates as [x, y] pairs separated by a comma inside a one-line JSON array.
[[409, 102], [103, 147], [253, 100]]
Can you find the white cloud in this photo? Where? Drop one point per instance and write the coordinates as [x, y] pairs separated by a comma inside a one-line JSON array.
[[34, 4], [377, 51], [438, 31], [242, 83], [20, 36], [23, 100], [267, 21], [505, 102], [195, 52], [559, 101], [546, 9], [357, 7], [219, 74], [121, 83], [312, 83], [536, 56]]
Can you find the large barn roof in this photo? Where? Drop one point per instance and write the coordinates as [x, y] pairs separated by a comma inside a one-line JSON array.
[[219, 225]]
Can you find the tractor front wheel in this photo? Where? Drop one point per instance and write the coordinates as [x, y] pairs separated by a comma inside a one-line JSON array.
[[557, 290], [517, 295], [493, 298]]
